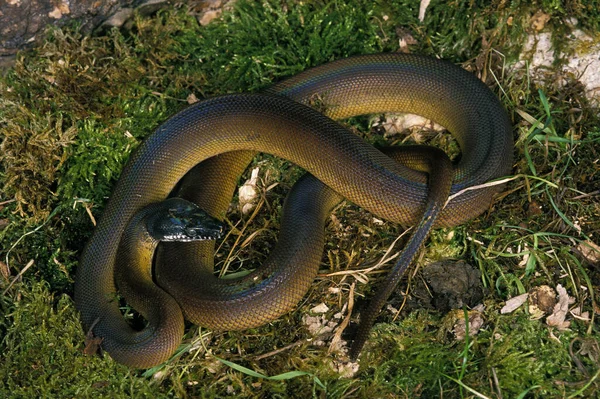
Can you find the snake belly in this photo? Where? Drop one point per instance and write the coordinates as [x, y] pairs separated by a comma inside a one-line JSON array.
[[224, 133]]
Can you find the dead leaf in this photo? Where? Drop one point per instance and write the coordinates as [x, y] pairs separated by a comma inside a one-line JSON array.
[[541, 301], [405, 39], [534, 209], [248, 193], [588, 347], [209, 16], [321, 308], [591, 348], [345, 369], [319, 327], [579, 314], [4, 271], [191, 99], [539, 20], [590, 251], [59, 10], [514, 303], [417, 125], [476, 321], [336, 342], [525, 259], [557, 318], [92, 344], [422, 8]]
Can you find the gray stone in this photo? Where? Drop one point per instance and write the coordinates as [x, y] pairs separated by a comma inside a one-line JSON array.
[[22, 22], [149, 7], [118, 19]]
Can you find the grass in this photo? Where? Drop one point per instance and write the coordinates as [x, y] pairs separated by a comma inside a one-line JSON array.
[[73, 109]]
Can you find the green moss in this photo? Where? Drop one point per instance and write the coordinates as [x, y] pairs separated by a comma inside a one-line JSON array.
[[41, 353]]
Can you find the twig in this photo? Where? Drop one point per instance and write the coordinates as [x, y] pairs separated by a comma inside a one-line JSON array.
[[235, 245], [496, 383], [8, 202], [587, 195], [337, 337], [27, 266], [54, 212], [479, 186], [576, 360], [496, 183], [276, 351], [384, 259]]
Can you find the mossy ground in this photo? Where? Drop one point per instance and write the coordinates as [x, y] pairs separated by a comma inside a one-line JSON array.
[[73, 109]]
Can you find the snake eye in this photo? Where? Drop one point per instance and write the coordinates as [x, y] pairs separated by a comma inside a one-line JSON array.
[[191, 233]]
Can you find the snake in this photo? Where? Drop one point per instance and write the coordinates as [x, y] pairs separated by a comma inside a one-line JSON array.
[[199, 154]]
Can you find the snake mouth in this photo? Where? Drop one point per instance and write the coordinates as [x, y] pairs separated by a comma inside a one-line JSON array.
[[201, 233], [179, 220]]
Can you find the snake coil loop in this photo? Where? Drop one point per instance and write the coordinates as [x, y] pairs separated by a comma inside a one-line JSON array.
[[204, 149]]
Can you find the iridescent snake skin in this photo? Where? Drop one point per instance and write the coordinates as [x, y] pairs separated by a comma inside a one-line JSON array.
[[199, 154]]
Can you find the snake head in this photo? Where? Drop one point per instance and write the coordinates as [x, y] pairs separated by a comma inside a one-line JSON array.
[[176, 219]]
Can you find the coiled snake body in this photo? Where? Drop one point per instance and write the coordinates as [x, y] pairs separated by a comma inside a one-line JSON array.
[[224, 133]]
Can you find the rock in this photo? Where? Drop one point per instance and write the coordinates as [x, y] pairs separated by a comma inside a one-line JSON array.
[[453, 284], [149, 7], [580, 59], [119, 18], [22, 22], [208, 16]]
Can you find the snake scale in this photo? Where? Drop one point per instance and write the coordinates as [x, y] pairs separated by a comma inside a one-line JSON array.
[[199, 154]]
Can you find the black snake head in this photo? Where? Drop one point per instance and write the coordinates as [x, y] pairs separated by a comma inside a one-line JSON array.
[[177, 219]]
